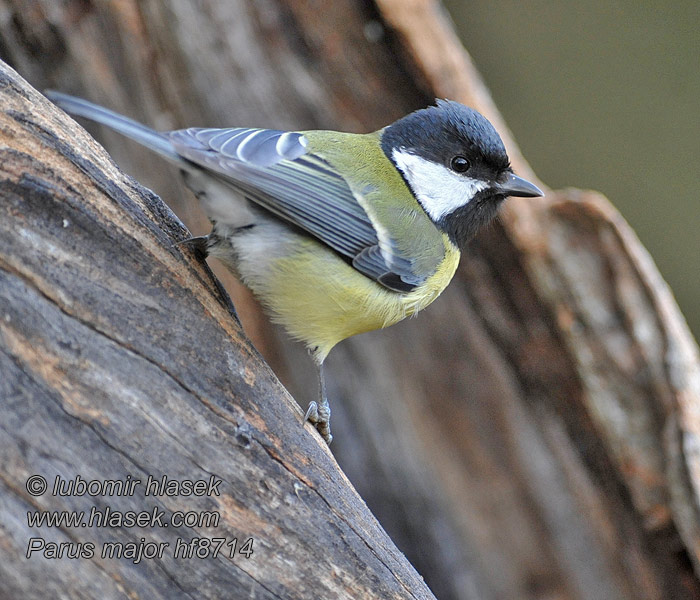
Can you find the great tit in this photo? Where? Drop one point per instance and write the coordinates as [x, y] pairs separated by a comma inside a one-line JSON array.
[[338, 233]]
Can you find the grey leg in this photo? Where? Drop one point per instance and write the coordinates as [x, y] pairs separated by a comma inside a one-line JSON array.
[[319, 413]]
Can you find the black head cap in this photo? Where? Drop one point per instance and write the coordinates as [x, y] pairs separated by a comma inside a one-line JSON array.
[[477, 176], [439, 133]]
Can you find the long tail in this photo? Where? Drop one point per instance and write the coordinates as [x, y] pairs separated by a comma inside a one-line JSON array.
[[156, 141]]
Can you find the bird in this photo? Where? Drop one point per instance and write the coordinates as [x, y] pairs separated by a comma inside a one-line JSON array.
[[337, 233]]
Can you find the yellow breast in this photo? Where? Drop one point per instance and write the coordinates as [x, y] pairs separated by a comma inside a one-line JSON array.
[[321, 300]]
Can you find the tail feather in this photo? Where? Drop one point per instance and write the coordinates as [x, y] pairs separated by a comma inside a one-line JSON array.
[[156, 141]]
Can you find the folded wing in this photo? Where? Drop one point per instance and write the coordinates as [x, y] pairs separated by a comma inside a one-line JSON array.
[[276, 170]]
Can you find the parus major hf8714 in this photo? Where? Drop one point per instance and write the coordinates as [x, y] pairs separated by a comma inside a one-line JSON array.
[[338, 233]]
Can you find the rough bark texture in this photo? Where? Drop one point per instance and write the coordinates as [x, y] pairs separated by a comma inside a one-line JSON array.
[[531, 435], [118, 360]]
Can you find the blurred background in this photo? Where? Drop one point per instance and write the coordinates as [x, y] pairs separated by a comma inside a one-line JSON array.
[[605, 95]]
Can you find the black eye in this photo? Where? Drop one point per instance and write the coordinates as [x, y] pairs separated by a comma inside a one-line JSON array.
[[459, 164]]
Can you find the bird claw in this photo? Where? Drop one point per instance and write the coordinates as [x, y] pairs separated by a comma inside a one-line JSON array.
[[319, 415], [198, 244]]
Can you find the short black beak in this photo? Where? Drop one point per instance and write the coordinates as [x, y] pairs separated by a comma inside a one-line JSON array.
[[517, 186]]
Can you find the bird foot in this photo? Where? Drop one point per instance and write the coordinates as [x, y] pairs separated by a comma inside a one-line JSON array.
[[319, 415], [199, 244]]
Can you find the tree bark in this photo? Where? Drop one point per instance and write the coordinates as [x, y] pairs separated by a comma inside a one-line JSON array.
[[99, 382], [531, 435]]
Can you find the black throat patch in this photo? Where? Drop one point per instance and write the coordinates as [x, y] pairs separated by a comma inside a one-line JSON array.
[[462, 224]]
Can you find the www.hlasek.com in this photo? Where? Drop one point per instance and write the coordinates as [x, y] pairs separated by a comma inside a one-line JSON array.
[[108, 517]]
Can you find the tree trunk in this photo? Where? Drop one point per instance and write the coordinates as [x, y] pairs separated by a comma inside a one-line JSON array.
[[531, 435], [119, 363]]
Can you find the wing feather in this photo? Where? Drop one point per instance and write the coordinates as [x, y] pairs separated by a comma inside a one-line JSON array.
[[276, 170]]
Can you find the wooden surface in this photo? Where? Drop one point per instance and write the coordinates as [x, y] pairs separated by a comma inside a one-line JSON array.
[[118, 360], [532, 434]]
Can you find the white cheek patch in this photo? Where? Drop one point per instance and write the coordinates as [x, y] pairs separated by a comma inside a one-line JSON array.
[[439, 190]]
